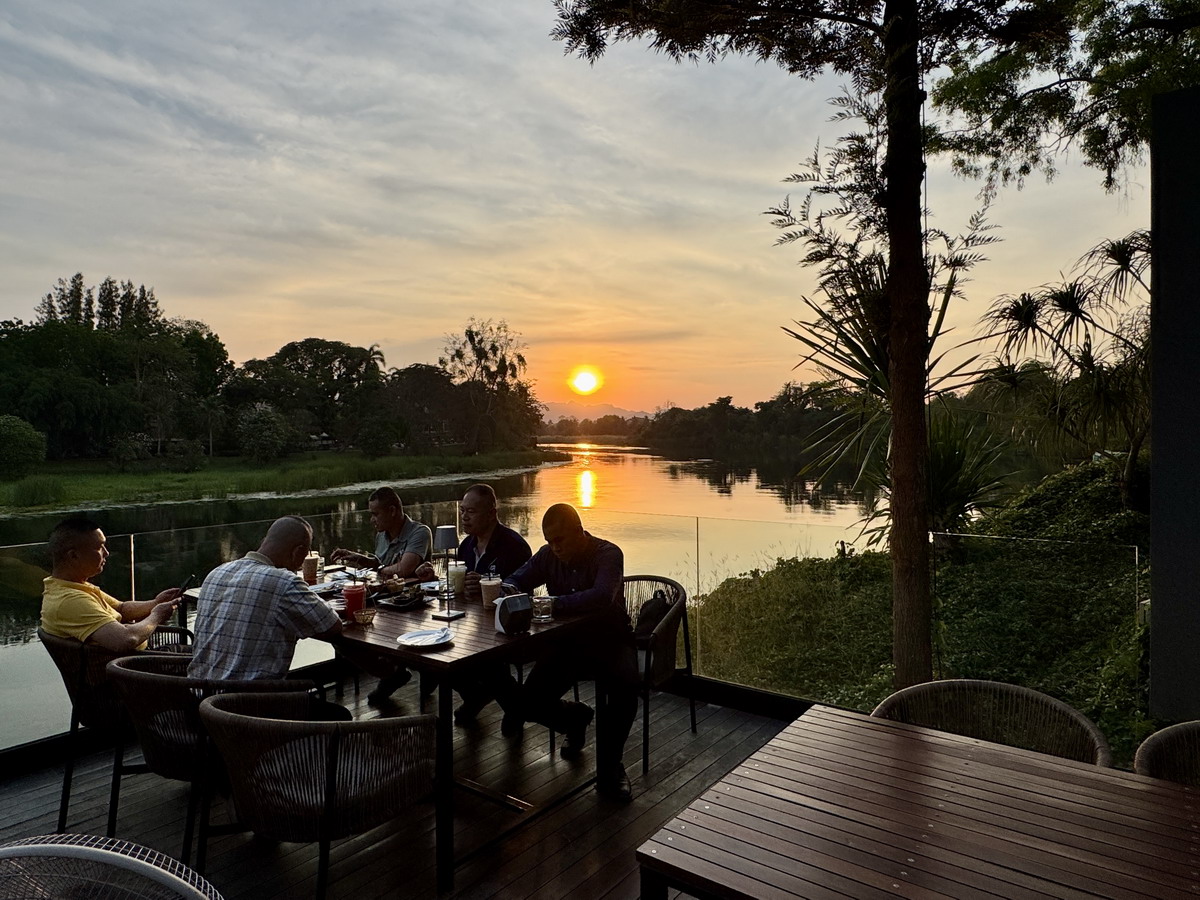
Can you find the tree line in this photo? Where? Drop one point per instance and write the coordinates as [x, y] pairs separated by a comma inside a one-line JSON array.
[[103, 372]]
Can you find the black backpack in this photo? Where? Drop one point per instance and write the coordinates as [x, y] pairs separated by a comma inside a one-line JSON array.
[[651, 613]]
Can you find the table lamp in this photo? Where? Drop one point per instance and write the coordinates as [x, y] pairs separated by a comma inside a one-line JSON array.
[[445, 539]]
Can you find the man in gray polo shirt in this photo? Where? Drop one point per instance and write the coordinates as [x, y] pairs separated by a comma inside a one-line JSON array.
[[401, 544]]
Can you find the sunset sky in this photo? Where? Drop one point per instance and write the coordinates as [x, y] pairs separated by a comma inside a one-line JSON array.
[[380, 172]]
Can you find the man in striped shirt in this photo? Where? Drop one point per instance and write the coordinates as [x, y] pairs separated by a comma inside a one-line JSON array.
[[253, 610]]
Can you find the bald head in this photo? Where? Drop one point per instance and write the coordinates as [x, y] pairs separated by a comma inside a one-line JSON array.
[[287, 542], [563, 531]]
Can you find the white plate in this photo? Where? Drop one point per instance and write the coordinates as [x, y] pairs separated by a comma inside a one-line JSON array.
[[431, 586], [429, 637]]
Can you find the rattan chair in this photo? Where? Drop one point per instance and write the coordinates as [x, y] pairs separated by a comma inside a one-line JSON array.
[[1173, 754], [657, 652], [83, 865], [93, 700], [1001, 713], [296, 780], [164, 705]]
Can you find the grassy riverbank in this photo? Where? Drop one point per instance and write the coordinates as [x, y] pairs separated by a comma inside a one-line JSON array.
[[88, 482]]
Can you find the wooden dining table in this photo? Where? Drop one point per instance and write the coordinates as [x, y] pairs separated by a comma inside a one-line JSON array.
[[476, 642], [844, 805]]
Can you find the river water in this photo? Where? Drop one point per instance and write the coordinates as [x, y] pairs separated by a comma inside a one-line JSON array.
[[696, 521]]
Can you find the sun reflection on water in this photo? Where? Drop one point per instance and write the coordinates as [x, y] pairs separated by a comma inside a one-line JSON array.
[[587, 488]]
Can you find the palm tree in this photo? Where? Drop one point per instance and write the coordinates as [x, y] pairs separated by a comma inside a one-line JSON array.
[[1091, 348]]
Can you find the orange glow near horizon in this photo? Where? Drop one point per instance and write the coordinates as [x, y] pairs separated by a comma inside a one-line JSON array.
[[585, 380]]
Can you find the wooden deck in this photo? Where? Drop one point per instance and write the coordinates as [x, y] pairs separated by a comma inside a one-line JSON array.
[[582, 848]]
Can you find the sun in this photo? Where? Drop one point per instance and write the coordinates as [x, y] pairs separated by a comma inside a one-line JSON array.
[[585, 380]]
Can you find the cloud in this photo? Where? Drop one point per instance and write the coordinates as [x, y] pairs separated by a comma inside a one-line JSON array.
[[378, 172]]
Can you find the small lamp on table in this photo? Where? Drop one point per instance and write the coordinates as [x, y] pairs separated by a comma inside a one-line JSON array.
[[445, 539]]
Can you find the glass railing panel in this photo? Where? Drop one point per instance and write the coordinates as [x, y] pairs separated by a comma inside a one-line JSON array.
[[770, 612], [651, 544], [33, 701]]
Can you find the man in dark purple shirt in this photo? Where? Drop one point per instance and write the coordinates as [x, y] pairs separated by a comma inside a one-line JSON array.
[[583, 574]]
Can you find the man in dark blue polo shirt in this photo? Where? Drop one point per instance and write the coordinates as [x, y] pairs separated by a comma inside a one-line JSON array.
[[489, 549], [583, 574]]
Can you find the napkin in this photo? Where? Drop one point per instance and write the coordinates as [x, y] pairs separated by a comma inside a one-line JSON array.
[[426, 638]]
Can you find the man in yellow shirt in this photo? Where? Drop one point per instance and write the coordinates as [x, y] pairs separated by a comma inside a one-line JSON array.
[[74, 608]]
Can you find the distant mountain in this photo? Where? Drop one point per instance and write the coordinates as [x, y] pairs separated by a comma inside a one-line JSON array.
[[573, 408]]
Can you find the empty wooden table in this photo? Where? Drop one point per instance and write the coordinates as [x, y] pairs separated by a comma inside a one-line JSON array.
[[843, 805]]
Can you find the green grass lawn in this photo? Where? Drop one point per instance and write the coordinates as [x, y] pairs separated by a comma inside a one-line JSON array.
[[75, 482]]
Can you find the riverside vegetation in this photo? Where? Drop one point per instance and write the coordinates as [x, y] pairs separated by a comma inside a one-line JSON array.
[[85, 482], [1043, 594]]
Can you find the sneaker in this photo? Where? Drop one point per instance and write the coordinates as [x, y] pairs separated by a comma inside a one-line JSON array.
[[613, 784], [387, 686], [580, 715]]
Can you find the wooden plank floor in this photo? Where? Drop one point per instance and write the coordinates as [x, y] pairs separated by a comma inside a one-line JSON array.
[[583, 848]]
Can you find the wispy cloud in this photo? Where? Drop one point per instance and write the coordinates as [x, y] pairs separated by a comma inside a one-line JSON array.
[[380, 172]]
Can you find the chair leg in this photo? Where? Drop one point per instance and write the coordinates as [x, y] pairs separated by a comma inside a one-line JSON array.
[[189, 826], [645, 731], [68, 771], [114, 796], [322, 869]]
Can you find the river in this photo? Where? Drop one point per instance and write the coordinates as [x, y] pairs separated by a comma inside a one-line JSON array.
[[696, 521]]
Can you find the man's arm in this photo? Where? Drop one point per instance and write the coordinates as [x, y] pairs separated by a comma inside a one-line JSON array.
[[354, 558], [136, 610], [407, 565], [610, 574], [530, 575], [120, 637], [330, 633]]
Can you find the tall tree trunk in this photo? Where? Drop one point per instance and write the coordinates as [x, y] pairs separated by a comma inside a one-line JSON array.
[[908, 297]]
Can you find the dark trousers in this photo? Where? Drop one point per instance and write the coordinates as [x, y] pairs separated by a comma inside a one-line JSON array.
[[610, 659]]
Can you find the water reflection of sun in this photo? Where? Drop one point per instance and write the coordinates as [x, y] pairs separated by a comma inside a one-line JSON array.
[[587, 488], [585, 380]]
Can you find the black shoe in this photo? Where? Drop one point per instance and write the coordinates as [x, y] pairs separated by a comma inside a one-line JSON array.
[[512, 725], [466, 713], [387, 686], [580, 715], [613, 784]]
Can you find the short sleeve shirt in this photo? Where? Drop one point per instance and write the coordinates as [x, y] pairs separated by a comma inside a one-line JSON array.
[[414, 537], [76, 609], [249, 617]]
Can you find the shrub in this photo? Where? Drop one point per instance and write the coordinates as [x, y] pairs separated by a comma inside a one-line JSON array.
[[37, 490], [127, 450], [263, 432], [187, 456], [21, 447]]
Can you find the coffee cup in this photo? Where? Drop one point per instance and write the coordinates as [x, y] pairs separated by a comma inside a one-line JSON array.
[[489, 585], [309, 568]]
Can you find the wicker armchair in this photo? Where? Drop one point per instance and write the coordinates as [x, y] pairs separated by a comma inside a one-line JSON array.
[[93, 701], [317, 781], [83, 865], [1173, 754], [164, 704], [1001, 713], [657, 652]]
